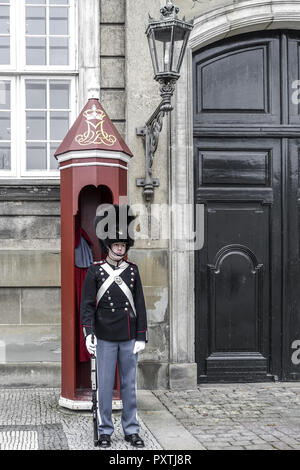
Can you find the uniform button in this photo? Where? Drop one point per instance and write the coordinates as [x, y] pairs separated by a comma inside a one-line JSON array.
[[111, 304], [131, 285], [126, 303], [112, 309], [126, 309], [109, 298], [132, 280], [107, 291]]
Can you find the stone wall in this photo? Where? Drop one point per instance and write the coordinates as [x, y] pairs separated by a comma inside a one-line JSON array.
[[29, 280], [112, 61]]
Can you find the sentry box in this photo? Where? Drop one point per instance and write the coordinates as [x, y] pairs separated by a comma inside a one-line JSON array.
[[93, 161]]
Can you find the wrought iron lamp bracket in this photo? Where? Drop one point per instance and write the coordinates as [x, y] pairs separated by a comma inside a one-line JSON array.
[[165, 36], [150, 134]]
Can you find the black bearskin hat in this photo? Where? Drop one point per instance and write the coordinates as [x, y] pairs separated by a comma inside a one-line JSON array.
[[113, 224]]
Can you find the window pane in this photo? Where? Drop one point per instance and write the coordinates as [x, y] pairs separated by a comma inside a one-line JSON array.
[[36, 95], [4, 95], [59, 51], [36, 51], [59, 2], [59, 95], [35, 20], [4, 50], [53, 161], [5, 158], [40, 2], [4, 126], [36, 125], [59, 21], [36, 157], [4, 19], [59, 125]]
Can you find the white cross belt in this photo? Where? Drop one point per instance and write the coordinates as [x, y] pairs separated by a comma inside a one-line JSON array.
[[114, 276]]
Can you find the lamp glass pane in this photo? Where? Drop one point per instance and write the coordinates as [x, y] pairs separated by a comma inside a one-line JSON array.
[[163, 38], [153, 52], [180, 36]]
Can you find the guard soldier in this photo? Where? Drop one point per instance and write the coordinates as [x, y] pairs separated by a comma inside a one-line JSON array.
[[118, 319]]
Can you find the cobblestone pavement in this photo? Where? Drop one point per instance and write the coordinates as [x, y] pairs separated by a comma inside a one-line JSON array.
[[32, 419], [223, 416], [239, 416]]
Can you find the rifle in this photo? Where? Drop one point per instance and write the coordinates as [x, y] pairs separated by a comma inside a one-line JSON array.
[[94, 385]]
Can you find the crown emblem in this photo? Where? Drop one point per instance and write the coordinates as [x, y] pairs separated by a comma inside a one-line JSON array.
[[95, 134], [94, 113]]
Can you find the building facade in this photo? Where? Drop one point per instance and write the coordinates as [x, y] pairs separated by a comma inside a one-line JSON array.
[[223, 308]]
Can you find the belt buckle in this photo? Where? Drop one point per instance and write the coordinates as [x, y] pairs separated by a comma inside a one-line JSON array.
[[118, 280]]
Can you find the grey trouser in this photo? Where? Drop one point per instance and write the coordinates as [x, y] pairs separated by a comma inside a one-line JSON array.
[[108, 353]]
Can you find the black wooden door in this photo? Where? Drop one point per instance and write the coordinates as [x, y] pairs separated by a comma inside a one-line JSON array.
[[246, 155]]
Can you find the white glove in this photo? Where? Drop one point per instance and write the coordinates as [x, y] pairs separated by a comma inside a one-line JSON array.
[[138, 346], [91, 347]]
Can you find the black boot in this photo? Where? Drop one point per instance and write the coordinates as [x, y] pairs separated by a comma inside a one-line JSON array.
[[135, 440]]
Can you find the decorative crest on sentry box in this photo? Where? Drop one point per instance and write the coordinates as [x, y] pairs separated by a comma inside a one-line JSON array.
[[95, 134], [94, 113], [93, 130]]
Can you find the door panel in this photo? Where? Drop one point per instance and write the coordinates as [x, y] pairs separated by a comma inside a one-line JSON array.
[[293, 78], [291, 310], [234, 82], [238, 180], [247, 161]]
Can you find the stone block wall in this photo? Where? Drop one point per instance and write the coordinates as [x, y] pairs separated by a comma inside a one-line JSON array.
[[29, 277], [112, 61], [116, 95], [153, 361]]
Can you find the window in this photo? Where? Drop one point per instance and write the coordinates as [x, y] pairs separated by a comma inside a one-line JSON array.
[[5, 46], [47, 117], [5, 125], [38, 76], [47, 33]]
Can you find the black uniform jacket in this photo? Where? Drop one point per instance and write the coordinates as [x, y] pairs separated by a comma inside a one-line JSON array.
[[112, 318]]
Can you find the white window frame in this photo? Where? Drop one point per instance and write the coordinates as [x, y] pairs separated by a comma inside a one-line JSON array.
[[72, 39], [17, 72], [72, 98], [13, 42], [13, 128]]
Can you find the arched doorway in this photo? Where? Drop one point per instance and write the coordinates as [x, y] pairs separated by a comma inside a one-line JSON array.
[[246, 172]]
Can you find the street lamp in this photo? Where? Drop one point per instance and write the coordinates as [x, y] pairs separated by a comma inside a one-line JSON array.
[[167, 38]]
